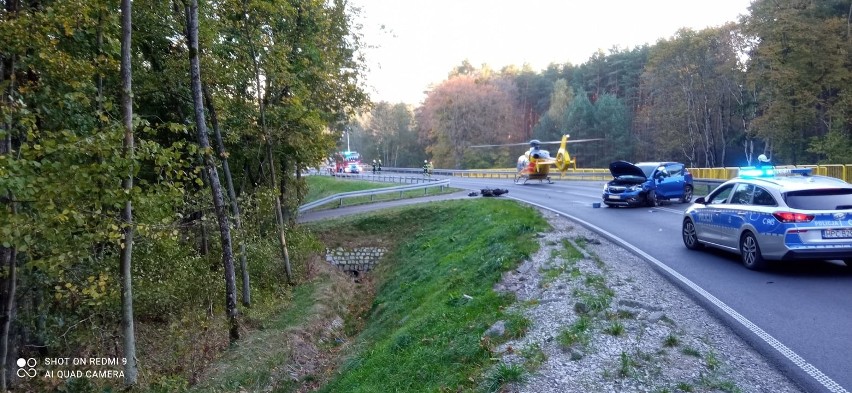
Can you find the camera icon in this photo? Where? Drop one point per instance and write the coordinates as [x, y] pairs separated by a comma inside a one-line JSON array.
[[26, 368]]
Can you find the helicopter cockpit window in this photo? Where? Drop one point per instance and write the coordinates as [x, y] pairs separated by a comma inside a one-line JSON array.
[[540, 154]]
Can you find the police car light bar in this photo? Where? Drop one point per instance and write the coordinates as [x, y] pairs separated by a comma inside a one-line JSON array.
[[750, 171]]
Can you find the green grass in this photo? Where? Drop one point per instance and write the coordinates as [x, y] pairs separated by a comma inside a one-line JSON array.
[[501, 375], [569, 252], [713, 362], [616, 328], [322, 186], [250, 363], [533, 356], [576, 334], [626, 365], [689, 351], [422, 334], [671, 341]]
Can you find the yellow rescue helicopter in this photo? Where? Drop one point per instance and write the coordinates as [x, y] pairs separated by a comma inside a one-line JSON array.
[[535, 164]]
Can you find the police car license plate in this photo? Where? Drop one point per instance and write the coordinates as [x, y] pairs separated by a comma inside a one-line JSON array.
[[845, 233]]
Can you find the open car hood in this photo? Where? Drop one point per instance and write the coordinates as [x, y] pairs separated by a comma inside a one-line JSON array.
[[624, 168]]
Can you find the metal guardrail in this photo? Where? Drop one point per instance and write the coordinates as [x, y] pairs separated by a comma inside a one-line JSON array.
[[706, 185], [703, 186], [355, 194], [381, 176], [508, 173]]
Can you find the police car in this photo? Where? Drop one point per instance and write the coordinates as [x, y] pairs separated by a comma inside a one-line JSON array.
[[774, 214]]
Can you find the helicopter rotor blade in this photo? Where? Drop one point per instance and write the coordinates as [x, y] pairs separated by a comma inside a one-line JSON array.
[[502, 145], [571, 141], [584, 140], [543, 143]]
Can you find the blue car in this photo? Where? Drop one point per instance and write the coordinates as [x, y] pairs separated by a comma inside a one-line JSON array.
[[647, 183]]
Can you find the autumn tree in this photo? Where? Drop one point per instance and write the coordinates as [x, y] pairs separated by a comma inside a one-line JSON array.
[[553, 123], [691, 81], [461, 112], [801, 69], [74, 156], [392, 135]]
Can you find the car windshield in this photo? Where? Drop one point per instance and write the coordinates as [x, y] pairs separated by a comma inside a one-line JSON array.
[[824, 199], [648, 169]]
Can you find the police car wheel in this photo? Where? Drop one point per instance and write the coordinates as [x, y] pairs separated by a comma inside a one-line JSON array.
[[687, 195], [690, 236], [750, 252]]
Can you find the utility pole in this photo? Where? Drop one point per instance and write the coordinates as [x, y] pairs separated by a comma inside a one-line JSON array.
[[347, 140]]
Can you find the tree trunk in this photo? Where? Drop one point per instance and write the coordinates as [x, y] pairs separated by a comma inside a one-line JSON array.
[[279, 214], [131, 370], [7, 343], [213, 175], [7, 69], [229, 183], [11, 286], [278, 211]]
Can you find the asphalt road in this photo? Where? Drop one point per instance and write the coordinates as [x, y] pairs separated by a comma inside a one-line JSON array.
[[798, 315]]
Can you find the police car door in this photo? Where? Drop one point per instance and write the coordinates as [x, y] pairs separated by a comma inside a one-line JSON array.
[[709, 217], [734, 215]]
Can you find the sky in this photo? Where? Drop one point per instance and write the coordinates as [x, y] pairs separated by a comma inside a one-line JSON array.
[[412, 44]]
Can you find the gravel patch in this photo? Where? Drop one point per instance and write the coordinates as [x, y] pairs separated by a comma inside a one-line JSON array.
[[603, 320]]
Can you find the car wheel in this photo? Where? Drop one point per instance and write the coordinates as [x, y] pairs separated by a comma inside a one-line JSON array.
[[690, 236], [750, 252], [651, 199], [687, 194]]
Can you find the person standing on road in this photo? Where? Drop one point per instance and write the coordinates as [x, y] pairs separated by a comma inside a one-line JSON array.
[[425, 168], [763, 161], [375, 166], [380, 165]]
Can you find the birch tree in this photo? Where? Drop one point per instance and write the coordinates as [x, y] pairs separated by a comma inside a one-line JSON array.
[[210, 168], [131, 371]]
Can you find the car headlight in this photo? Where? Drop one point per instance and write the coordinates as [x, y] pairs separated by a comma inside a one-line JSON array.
[[637, 187]]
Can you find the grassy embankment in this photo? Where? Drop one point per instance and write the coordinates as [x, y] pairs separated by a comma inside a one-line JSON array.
[[416, 323], [413, 324]]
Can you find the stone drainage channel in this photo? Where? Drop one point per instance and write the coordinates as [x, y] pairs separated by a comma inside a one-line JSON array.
[[354, 261]]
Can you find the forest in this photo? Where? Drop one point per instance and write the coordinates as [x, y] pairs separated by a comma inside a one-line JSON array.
[[151, 152], [776, 82]]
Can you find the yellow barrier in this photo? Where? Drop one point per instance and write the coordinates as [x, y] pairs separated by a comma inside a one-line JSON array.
[[840, 171]]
